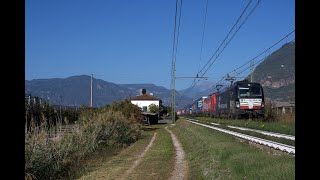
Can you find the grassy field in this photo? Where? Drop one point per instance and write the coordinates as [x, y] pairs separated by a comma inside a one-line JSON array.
[[214, 155], [157, 163], [209, 154], [283, 127]]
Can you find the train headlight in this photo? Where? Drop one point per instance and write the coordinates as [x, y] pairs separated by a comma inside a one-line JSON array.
[[237, 104], [262, 104]]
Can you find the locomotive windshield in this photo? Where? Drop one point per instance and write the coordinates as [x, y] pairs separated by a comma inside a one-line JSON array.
[[250, 91], [244, 91], [256, 91]]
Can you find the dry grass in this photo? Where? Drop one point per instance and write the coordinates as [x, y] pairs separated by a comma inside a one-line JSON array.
[[48, 158], [288, 118]]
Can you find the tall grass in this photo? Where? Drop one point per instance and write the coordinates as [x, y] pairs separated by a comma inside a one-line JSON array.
[[215, 155], [272, 116], [51, 158]]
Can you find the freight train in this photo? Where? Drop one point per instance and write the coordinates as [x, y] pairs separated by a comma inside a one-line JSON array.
[[243, 99]]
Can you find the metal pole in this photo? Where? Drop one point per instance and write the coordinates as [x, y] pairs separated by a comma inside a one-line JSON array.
[[91, 92], [173, 85], [174, 95]]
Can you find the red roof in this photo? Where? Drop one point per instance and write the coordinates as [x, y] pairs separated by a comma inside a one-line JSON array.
[[145, 97]]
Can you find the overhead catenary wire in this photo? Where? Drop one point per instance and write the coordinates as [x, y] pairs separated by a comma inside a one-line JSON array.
[[193, 84], [265, 50], [244, 10], [257, 62], [238, 73], [203, 31], [174, 54], [178, 32], [231, 37]]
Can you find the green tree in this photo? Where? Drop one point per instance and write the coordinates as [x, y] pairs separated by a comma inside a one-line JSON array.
[[153, 108], [127, 108]]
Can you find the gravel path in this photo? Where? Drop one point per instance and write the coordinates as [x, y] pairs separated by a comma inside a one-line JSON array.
[[180, 167]]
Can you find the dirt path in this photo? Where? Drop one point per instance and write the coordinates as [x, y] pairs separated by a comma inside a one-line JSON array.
[[180, 168], [136, 162], [159, 156]]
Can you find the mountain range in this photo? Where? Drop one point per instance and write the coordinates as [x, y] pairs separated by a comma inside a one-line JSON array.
[[75, 91], [276, 74]]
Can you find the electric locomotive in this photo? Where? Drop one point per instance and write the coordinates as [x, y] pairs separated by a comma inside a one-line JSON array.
[[243, 98]]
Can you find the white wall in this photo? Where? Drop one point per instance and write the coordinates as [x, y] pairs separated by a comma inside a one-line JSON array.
[[144, 103]]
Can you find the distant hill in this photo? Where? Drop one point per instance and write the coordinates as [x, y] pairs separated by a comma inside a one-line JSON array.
[[201, 89], [277, 74], [75, 91]]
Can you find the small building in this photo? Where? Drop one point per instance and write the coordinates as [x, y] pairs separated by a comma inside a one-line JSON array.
[[285, 107], [144, 101]]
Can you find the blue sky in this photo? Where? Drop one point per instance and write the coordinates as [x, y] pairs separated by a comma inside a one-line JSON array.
[[130, 41]]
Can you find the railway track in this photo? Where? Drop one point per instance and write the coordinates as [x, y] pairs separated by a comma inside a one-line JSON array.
[[272, 144], [285, 136]]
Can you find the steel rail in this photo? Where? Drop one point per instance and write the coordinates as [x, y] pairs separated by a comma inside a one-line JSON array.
[[275, 145], [285, 136]]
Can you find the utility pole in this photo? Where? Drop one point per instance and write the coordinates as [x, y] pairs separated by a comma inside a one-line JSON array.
[[173, 84], [91, 92], [173, 98]]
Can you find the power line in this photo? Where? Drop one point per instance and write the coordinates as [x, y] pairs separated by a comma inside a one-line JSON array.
[[193, 84], [232, 37], [227, 35], [173, 45], [203, 30], [176, 49], [257, 62], [174, 54], [266, 50]]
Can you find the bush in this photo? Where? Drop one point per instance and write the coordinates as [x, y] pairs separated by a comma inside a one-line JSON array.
[[154, 108], [270, 114], [51, 158], [128, 109]]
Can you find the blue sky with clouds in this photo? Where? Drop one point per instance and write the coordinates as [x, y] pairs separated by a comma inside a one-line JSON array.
[[130, 41]]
